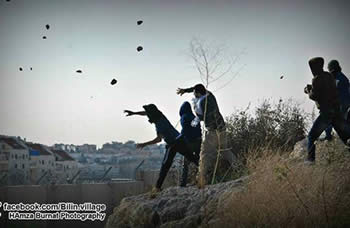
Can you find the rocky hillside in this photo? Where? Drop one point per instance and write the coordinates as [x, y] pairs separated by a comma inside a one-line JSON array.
[[274, 193]]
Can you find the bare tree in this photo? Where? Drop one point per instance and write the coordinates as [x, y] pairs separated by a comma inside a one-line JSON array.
[[214, 63]]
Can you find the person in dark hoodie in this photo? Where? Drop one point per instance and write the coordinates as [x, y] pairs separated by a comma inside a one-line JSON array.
[[342, 83], [323, 91], [215, 158], [192, 136], [175, 142]]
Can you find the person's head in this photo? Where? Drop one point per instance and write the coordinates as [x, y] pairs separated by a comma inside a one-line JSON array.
[[199, 90], [334, 66], [316, 65], [185, 108], [152, 113]]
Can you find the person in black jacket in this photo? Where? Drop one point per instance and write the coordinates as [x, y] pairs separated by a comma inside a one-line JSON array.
[[324, 92]]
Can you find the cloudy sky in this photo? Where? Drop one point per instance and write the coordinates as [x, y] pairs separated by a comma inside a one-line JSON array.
[[54, 104]]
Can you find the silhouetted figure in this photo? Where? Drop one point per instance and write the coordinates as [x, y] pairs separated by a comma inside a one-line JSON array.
[[191, 137], [79, 71], [175, 142], [323, 91], [342, 83], [139, 22], [214, 145], [44, 37], [47, 26], [20, 69]]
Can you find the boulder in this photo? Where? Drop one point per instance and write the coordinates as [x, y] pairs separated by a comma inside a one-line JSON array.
[[299, 150], [326, 151], [174, 207]]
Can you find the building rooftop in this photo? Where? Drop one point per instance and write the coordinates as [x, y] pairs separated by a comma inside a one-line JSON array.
[[63, 155], [13, 142], [38, 149]]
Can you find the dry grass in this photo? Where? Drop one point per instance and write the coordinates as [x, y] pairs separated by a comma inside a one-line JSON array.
[[285, 193]]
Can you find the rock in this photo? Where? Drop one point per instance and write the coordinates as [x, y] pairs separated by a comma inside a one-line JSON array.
[[326, 151], [139, 48], [47, 26], [113, 82], [20, 69], [139, 22], [174, 207], [79, 71], [44, 37], [300, 150]]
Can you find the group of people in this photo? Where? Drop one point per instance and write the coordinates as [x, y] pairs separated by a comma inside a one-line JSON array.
[[330, 91], [208, 150]]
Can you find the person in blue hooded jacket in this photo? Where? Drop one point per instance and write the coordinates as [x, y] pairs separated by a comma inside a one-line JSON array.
[[192, 136], [342, 83], [184, 143]]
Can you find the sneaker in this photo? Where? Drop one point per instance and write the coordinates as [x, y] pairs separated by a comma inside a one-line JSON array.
[[309, 162]]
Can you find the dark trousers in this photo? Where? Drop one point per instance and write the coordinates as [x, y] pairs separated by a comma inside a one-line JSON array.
[[334, 118], [194, 148], [184, 148], [344, 113]]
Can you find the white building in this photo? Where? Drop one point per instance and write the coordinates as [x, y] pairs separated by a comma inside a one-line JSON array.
[[66, 166], [70, 148], [42, 163], [14, 157]]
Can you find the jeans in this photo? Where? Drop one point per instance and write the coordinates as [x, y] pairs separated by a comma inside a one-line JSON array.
[[184, 173], [194, 148], [322, 122], [184, 148]]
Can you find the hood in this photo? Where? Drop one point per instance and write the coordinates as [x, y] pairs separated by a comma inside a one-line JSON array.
[[152, 113], [185, 108], [334, 67], [316, 65]]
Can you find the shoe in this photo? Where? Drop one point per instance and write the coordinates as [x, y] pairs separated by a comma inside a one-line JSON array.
[[154, 192], [327, 138], [309, 162]]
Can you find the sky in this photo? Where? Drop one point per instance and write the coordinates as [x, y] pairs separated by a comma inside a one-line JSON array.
[[53, 104]]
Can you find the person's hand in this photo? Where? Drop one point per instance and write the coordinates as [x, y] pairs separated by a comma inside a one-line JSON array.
[[180, 91], [140, 145], [307, 88], [195, 122], [129, 113]]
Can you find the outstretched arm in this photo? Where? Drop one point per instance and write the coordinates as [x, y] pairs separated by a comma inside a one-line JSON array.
[[182, 91], [131, 113], [154, 141]]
